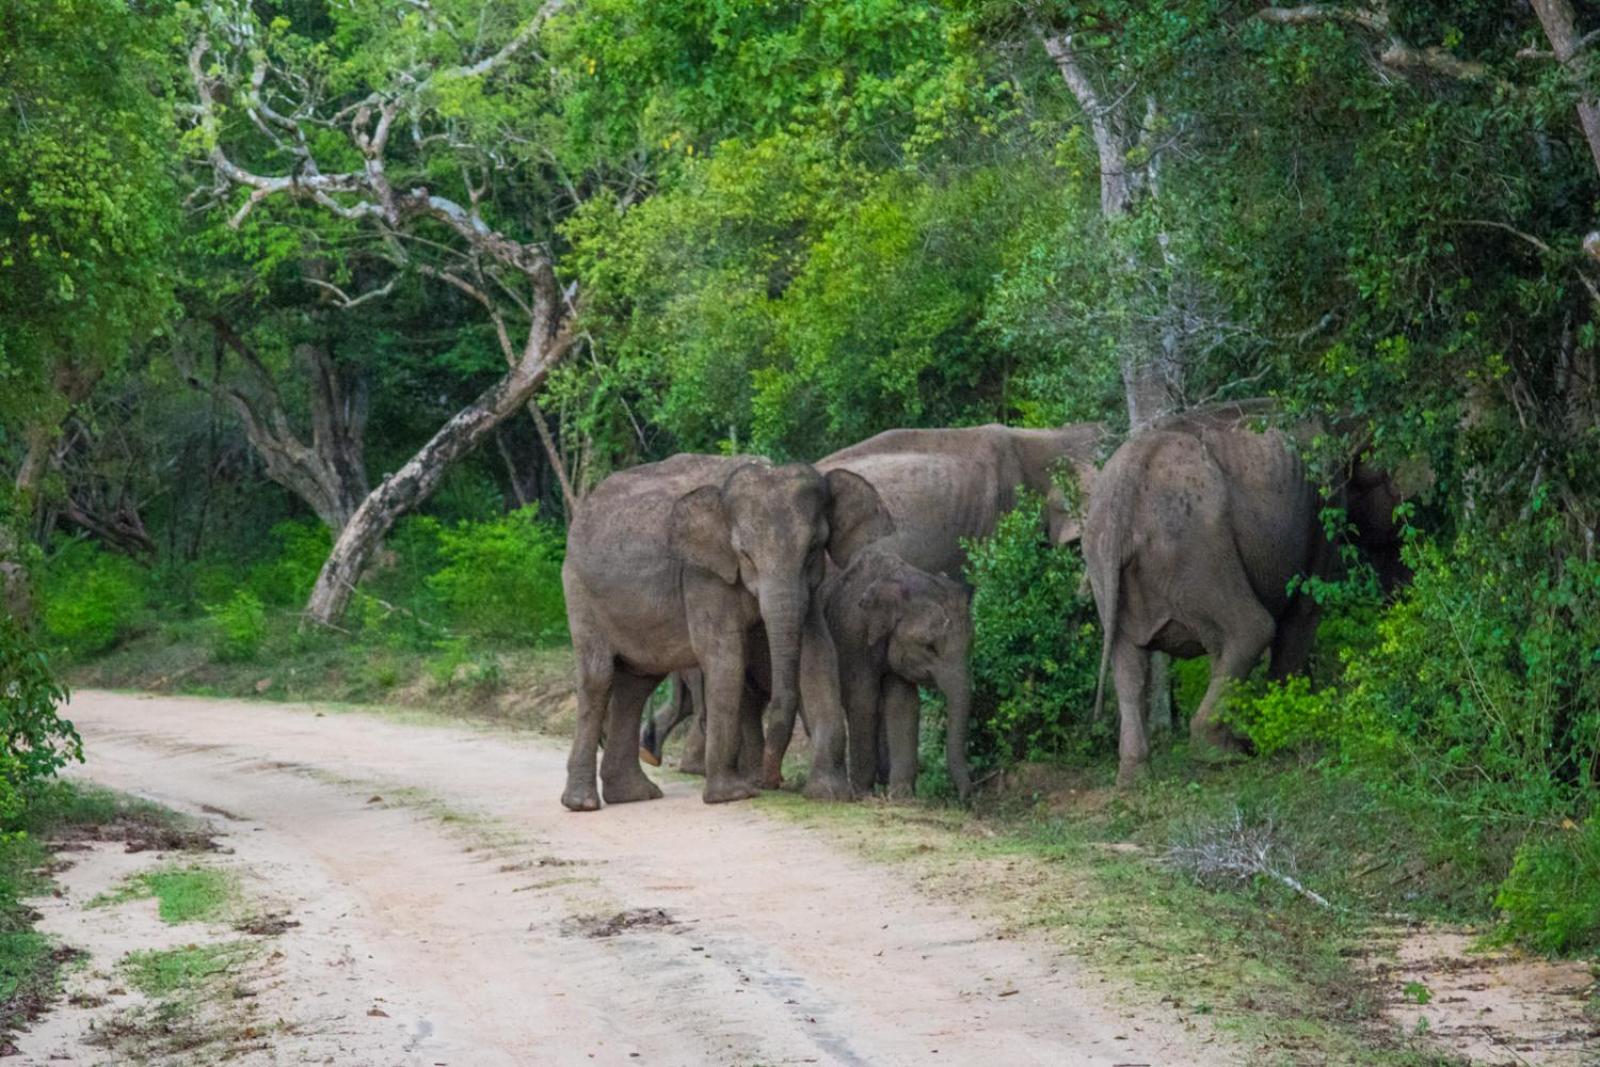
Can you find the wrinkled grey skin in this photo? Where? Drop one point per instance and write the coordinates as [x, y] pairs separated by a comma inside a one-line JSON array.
[[897, 627], [1194, 532], [692, 562], [943, 485]]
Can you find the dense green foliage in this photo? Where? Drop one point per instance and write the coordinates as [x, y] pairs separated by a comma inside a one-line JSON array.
[[1036, 646]]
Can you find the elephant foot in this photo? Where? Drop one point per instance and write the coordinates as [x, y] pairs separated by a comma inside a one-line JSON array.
[[728, 789], [1131, 772], [648, 757], [1214, 745], [581, 797], [771, 771], [693, 765], [631, 789], [823, 786]]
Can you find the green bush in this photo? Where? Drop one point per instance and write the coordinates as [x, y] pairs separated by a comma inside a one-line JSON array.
[[1483, 693], [38, 742], [91, 599], [1275, 716], [502, 578], [1551, 898], [285, 578], [239, 626], [1036, 644]]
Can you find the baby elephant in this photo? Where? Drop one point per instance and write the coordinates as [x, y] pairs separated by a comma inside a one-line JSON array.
[[897, 627]]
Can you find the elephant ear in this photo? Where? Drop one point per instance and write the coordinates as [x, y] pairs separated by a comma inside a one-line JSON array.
[[856, 515], [698, 533], [882, 605]]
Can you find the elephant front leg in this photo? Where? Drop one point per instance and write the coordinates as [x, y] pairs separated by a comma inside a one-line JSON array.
[[902, 712], [829, 777], [724, 690], [859, 690]]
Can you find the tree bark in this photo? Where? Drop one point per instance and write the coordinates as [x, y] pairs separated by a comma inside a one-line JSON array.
[[16, 591], [329, 474]]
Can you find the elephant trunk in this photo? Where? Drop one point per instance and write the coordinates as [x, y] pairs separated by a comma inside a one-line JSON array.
[[783, 607], [957, 688]]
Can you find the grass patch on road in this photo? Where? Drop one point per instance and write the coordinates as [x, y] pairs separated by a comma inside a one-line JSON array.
[[183, 972], [30, 963], [184, 893], [1067, 856]]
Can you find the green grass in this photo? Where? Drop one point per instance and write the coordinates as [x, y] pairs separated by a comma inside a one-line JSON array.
[[184, 894], [29, 962], [179, 973], [1063, 854]]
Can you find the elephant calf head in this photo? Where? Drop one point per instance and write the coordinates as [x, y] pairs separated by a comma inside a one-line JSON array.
[[924, 622]]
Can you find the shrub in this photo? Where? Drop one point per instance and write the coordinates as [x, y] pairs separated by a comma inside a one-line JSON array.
[[91, 598], [1036, 644], [1551, 898], [239, 625], [502, 578], [1275, 716], [1483, 694], [286, 578], [38, 742]]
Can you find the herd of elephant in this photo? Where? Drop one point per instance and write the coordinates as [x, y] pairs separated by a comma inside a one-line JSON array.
[[835, 589]]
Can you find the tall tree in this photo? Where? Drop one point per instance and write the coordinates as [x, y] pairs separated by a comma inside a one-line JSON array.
[[427, 136], [88, 209]]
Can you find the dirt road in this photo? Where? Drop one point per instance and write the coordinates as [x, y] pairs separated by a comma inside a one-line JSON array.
[[453, 913]]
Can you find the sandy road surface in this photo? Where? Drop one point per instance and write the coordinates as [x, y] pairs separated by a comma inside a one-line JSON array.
[[466, 902]]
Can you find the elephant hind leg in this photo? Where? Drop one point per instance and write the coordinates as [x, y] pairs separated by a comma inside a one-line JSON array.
[[1130, 666], [1248, 635], [596, 673], [621, 776]]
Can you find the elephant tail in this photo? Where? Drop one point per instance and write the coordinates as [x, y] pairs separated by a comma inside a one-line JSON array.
[[1108, 538], [1107, 602]]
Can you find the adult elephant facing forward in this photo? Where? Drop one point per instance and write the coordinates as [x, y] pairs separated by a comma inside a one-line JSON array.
[[1195, 532], [687, 563]]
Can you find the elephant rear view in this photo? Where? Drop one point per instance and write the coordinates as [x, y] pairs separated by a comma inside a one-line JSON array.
[[1194, 534], [700, 561]]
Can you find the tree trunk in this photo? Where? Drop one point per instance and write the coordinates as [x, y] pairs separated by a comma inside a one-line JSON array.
[[16, 592], [329, 474], [414, 482]]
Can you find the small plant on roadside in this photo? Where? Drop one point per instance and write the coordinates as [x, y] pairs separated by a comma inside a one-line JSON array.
[[1551, 898], [38, 742], [239, 626], [1236, 851], [183, 894]]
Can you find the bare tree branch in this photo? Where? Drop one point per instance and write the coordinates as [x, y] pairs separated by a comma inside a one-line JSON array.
[[1396, 53]]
